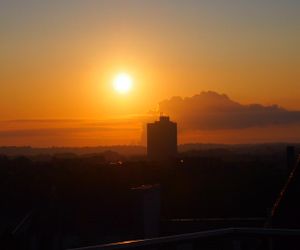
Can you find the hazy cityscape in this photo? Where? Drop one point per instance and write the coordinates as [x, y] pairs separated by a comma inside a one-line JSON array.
[[77, 197]]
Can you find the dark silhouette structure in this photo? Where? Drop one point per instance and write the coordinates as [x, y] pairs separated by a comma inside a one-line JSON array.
[[147, 212], [162, 139]]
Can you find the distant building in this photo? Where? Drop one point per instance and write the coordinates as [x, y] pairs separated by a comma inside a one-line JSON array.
[[147, 211], [162, 139]]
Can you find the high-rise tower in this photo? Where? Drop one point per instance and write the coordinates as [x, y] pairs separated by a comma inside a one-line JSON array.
[[162, 139]]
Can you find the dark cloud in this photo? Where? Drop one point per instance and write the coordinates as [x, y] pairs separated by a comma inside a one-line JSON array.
[[45, 133], [58, 131], [210, 110]]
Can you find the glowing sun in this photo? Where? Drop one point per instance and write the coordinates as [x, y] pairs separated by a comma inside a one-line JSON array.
[[122, 83]]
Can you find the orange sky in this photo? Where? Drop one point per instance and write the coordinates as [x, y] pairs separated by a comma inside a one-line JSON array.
[[58, 59]]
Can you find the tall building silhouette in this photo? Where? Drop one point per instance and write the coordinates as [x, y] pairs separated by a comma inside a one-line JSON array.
[[162, 139]]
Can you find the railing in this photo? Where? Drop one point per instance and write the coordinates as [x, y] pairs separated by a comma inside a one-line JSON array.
[[230, 238]]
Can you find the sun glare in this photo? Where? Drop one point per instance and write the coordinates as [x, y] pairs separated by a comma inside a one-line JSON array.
[[122, 83]]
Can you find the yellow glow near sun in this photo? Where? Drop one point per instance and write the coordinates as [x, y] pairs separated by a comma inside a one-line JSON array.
[[122, 83]]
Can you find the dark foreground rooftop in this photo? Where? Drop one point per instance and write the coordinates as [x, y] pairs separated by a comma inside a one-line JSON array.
[[230, 238]]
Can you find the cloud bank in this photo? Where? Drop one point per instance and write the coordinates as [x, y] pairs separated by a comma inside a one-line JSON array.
[[213, 111]]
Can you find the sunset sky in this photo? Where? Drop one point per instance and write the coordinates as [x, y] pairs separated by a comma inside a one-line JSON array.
[[58, 61]]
